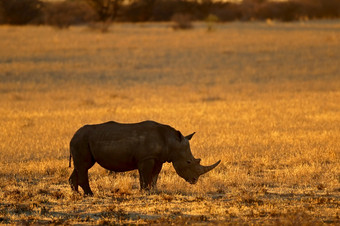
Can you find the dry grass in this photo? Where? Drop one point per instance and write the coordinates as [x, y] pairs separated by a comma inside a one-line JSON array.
[[263, 98]]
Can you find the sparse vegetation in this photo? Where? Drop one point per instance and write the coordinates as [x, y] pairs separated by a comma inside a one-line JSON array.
[[64, 13], [20, 12], [267, 106], [182, 21], [211, 20]]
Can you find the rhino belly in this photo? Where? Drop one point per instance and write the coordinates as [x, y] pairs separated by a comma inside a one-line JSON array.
[[115, 157]]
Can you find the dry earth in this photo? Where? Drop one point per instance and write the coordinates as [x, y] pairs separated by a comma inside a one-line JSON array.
[[262, 97]]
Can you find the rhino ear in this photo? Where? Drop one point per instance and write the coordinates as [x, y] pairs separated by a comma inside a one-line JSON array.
[[190, 136], [179, 136]]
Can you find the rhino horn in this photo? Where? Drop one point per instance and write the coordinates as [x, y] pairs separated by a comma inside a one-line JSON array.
[[190, 136], [205, 169]]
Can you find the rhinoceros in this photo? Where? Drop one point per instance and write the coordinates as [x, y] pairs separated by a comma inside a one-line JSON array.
[[123, 147]]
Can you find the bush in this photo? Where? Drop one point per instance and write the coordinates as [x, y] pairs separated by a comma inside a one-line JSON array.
[[284, 11], [136, 12], [227, 11], [2, 15], [164, 10], [182, 21], [19, 12], [63, 14], [211, 20], [106, 10], [320, 8], [160, 10], [249, 8]]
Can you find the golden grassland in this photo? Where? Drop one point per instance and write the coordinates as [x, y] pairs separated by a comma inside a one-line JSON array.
[[263, 97]]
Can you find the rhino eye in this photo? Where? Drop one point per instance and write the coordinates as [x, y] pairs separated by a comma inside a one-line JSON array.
[[188, 161]]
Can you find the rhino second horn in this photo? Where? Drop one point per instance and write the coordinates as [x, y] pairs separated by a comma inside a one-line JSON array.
[[205, 169]]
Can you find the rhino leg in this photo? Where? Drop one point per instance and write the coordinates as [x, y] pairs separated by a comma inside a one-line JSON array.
[[73, 180], [155, 173], [83, 177], [82, 161], [146, 169]]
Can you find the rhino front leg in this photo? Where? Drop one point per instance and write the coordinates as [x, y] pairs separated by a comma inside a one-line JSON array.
[[155, 173], [146, 169]]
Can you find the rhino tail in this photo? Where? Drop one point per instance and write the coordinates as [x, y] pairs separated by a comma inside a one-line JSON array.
[[69, 164]]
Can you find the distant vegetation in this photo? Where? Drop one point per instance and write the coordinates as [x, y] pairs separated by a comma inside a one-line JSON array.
[[64, 13]]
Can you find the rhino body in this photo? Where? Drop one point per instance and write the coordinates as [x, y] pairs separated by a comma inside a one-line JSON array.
[[123, 147]]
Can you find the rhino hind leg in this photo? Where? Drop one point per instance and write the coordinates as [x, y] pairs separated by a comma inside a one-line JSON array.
[[82, 161], [83, 180], [73, 180], [80, 179]]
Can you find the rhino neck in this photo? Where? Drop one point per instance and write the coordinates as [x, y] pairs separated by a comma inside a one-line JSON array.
[[170, 150], [168, 156]]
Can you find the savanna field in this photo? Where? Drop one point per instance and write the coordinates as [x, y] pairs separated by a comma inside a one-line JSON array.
[[264, 98]]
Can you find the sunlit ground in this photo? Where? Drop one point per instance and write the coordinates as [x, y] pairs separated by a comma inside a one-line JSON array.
[[262, 97]]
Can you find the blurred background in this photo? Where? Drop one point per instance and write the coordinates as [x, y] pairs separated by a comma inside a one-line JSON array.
[[63, 13]]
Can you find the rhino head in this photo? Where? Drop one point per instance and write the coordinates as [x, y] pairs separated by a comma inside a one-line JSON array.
[[185, 164]]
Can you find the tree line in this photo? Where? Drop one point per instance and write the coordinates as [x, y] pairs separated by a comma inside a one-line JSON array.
[[69, 12]]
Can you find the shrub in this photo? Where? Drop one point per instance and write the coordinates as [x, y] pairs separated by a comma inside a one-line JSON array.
[[320, 8], [2, 14], [211, 20], [182, 21], [249, 8], [106, 10], [227, 11], [63, 14], [160, 10], [164, 10], [20, 12], [284, 11], [135, 12]]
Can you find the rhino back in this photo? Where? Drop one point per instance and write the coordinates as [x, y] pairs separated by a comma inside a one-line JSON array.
[[119, 147]]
